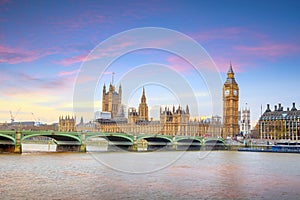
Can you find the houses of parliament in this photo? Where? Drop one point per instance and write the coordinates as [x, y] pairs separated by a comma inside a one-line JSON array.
[[172, 121]]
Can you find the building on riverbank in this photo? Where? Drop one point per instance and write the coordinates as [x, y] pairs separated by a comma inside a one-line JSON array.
[[230, 106], [67, 124], [280, 123], [173, 121], [244, 121]]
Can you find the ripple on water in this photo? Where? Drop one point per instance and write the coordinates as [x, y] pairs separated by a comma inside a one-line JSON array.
[[220, 175]]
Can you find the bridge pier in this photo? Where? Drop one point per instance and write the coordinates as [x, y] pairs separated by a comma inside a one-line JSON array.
[[68, 148], [82, 148], [118, 148], [7, 148], [175, 144], [18, 145], [134, 146], [83, 143], [18, 148]]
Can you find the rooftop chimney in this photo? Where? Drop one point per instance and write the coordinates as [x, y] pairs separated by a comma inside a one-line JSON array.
[[268, 108], [279, 107], [288, 109], [294, 107], [275, 108]]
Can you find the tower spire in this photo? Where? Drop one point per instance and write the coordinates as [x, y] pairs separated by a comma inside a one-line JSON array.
[[230, 71], [143, 100], [112, 78], [143, 108]]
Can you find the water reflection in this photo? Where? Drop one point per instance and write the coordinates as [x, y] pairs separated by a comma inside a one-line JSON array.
[[220, 175], [38, 147]]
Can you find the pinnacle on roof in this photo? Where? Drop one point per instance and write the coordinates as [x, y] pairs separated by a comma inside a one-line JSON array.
[[230, 69]]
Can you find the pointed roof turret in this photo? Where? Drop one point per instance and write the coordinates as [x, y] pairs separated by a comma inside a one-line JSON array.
[[230, 76], [111, 87], [230, 71], [104, 88], [187, 110], [143, 99]]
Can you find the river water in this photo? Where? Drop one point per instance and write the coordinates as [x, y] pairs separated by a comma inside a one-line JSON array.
[[150, 175]]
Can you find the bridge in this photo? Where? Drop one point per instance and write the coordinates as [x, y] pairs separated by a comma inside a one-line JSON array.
[[11, 141]]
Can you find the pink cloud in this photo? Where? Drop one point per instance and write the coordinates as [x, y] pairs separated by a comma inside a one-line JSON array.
[[224, 33], [18, 55], [269, 50], [16, 84], [179, 64], [81, 20], [237, 64], [113, 50], [4, 1], [68, 73], [74, 59]]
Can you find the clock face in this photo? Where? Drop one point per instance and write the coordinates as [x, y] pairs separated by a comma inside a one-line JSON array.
[[226, 92], [235, 92]]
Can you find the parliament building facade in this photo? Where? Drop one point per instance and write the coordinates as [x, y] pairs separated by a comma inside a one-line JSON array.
[[172, 121]]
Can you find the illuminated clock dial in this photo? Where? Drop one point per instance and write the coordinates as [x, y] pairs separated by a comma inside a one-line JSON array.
[[235, 92], [226, 92]]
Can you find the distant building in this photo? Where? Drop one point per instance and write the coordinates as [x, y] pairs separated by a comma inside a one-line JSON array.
[[142, 115], [133, 115], [67, 124], [244, 121], [86, 127], [111, 100], [280, 123], [175, 121], [172, 122], [143, 108], [230, 105]]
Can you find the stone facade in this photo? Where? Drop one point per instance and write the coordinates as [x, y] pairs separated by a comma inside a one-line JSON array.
[[280, 123], [230, 106], [175, 121], [244, 121], [112, 100], [143, 108], [67, 124], [206, 128]]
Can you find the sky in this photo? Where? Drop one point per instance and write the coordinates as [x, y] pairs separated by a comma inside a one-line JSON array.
[[45, 47]]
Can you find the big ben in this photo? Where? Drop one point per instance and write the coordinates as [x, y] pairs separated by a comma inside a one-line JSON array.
[[230, 105]]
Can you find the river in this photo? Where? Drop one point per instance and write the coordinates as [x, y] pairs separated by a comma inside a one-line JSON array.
[[150, 175]]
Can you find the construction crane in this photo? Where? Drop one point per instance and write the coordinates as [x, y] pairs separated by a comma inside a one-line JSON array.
[[12, 117], [37, 121]]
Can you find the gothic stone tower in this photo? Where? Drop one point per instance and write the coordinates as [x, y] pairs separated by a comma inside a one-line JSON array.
[[67, 124], [111, 100], [230, 105], [143, 108]]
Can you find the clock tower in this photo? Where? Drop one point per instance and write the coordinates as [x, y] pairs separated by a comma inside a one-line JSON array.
[[230, 105]]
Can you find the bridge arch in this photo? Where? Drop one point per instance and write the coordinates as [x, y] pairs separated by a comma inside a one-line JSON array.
[[156, 137], [215, 143], [186, 139], [7, 138], [111, 137], [116, 141], [56, 136], [155, 142], [188, 143]]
